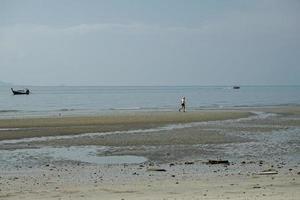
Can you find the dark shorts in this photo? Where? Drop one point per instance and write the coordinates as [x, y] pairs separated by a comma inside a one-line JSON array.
[[183, 105]]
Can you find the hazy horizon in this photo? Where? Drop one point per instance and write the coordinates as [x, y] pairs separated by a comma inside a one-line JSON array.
[[9, 84], [153, 43]]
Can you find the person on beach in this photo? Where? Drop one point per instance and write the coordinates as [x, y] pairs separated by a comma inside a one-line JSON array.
[[183, 102]]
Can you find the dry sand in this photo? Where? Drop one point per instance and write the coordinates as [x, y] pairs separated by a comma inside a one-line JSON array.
[[179, 181], [132, 182]]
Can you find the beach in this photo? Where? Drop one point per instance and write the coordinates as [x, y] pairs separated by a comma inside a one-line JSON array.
[[153, 155], [149, 100]]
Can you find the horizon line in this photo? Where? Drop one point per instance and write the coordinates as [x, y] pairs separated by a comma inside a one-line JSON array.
[[183, 85]]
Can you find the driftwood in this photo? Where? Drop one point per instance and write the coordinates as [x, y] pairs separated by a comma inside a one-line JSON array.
[[156, 170], [268, 172], [188, 163], [213, 162]]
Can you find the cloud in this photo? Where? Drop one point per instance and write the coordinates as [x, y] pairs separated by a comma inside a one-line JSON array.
[[82, 29], [251, 44]]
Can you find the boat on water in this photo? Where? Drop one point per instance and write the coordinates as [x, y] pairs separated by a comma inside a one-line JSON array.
[[236, 87], [20, 92]]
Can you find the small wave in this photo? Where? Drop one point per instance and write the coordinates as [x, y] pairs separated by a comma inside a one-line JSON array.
[[10, 129], [126, 108], [66, 109], [146, 108], [264, 105], [288, 104], [9, 111]]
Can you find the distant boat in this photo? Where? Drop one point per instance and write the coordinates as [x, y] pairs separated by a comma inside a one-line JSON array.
[[236, 87], [19, 92]]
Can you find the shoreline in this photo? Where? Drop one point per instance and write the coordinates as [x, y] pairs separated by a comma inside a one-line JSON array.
[[112, 112]]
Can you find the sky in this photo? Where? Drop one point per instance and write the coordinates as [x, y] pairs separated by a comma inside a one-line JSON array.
[[157, 42]]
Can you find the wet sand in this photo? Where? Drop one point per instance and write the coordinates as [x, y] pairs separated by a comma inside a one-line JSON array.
[[262, 148], [37, 127]]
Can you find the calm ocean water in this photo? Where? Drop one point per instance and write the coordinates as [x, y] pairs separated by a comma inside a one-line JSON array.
[[97, 99]]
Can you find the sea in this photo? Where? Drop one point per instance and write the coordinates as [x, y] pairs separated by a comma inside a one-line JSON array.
[[97, 100]]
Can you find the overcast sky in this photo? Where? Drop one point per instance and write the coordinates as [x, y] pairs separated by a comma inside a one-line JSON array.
[[155, 42]]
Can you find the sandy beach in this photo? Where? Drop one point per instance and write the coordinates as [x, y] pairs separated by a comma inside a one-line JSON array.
[[149, 100], [153, 155]]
